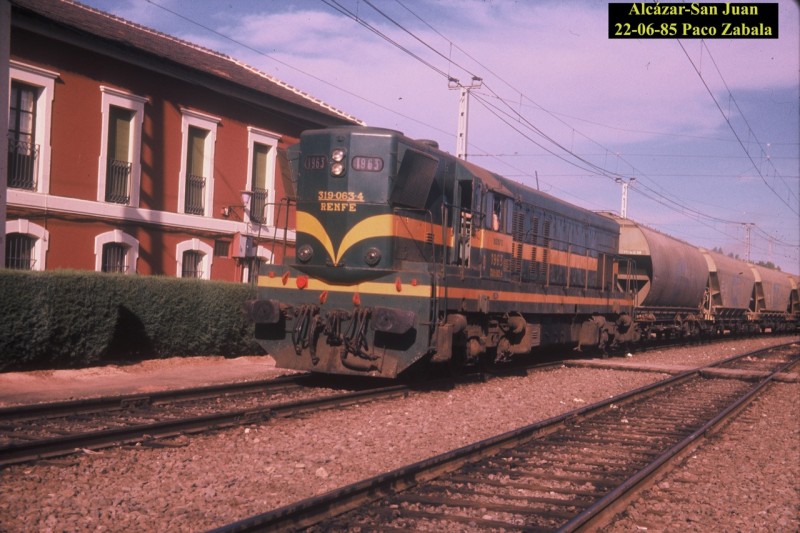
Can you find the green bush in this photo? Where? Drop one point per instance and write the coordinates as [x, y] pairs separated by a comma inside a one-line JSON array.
[[64, 319]]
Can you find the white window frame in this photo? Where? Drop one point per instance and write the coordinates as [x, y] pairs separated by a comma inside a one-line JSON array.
[[198, 246], [209, 123], [42, 236], [267, 138], [134, 104], [117, 236], [45, 81], [264, 254]]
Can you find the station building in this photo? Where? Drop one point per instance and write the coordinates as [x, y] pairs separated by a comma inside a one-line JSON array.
[[132, 151]]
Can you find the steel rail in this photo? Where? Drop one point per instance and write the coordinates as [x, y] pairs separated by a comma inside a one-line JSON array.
[[32, 450], [119, 402], [64, 445], [312, 510], [611, 503]]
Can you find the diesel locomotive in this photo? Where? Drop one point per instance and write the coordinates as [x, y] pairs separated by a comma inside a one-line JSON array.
[[406, 256]]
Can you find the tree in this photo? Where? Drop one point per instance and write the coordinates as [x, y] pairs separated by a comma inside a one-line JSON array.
[[768, 264]]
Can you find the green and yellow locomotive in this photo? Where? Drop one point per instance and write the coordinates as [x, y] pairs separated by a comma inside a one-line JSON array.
[[406, 256]]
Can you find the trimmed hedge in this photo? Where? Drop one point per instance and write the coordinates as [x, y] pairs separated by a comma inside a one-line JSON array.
[[69, 319]]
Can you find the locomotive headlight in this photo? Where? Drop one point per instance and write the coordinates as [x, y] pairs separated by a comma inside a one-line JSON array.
[[338, 155], [337, 169], [338, 165], [305, 253], [372, 257]]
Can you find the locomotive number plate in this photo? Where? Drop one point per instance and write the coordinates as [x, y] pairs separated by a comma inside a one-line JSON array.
[[315, 162], [345, 201], [340, 196], [368, 164]]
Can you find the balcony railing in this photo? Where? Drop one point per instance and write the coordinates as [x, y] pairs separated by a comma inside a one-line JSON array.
[[23, 158], [258, 204], [117, 181], [195, 187]]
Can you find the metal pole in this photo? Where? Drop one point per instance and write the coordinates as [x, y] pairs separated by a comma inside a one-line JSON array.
[[463, 112], [747, 226], [463, 118], [623, 210]]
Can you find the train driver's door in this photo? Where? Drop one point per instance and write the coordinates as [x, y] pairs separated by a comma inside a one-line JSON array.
[[463, 223]]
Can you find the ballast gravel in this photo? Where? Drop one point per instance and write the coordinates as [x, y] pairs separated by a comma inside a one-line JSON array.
[[745, 479]]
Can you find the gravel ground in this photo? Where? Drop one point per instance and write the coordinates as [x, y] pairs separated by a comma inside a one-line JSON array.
[[745, 479], [206, 481]]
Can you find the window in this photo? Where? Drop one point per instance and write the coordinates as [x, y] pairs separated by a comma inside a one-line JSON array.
[[119, 167], [252, 265], [22, 148], [194, 259], [263, 149], [116, 251], [195, 179], [258, 200], [114, 258], [192, 264], [118, 171], [19, 251], [498, 216], [30, 112], [196, 183], [222, 248], [500, 211], [26, 245]]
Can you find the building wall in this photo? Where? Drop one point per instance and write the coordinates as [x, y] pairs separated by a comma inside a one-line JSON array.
[[70, 211]]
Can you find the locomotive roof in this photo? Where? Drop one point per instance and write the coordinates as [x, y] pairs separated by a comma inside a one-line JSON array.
[[494, 182], [521, 192]]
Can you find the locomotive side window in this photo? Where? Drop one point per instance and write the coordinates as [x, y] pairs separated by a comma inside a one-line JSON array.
[[497, 214], [501, 212]]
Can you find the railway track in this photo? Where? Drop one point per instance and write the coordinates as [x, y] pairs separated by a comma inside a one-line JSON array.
[[47, 430], [563, 474], [42, 431], [122, 402]]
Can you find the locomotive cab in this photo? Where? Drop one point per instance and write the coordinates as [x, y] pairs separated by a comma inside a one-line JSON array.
[[344, 220]]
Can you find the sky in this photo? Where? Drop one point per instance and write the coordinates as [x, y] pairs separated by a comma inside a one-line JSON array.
[[709, 129]]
